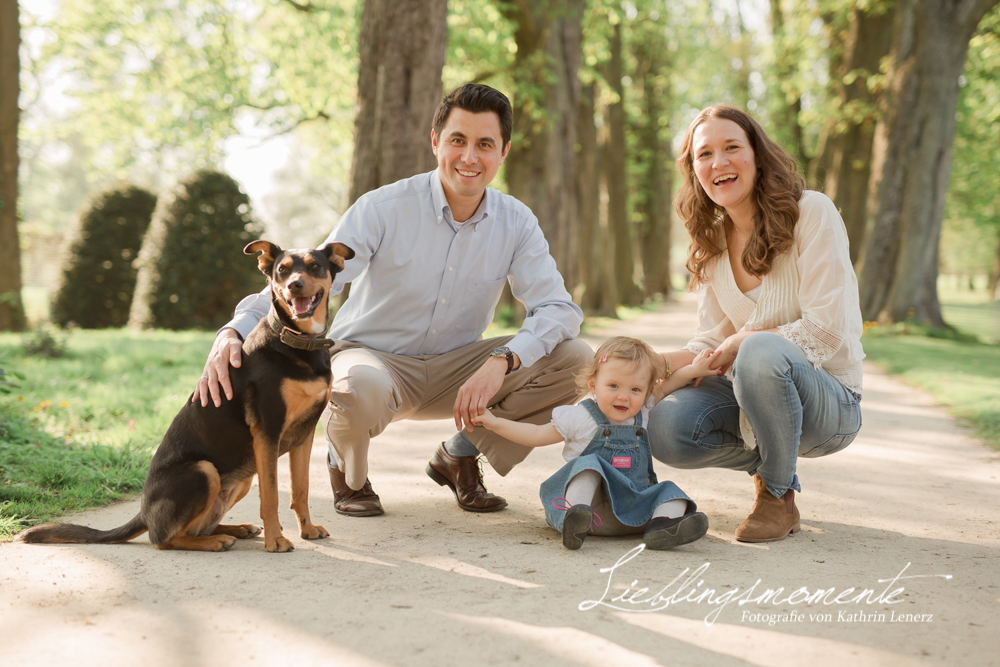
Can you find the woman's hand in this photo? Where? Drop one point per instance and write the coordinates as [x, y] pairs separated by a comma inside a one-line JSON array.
[[725, 354]]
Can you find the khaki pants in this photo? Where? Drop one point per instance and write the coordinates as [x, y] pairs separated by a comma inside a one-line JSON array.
[[372, 389]]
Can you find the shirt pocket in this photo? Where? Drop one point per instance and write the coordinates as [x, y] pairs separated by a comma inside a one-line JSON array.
[[478, 304]]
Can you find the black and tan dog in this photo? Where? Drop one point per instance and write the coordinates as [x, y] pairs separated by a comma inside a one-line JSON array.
[[206, 461]]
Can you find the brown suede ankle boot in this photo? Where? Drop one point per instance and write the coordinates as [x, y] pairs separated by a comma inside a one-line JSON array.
[[771, 519]]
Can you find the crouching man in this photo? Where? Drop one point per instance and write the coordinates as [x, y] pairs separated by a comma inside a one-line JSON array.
[[432, 254]]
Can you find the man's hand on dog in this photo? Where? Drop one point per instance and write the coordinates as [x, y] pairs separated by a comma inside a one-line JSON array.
[[477, 391], [226, 350]]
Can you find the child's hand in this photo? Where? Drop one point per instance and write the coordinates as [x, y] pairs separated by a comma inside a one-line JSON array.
[[700, 367], [486, 420]]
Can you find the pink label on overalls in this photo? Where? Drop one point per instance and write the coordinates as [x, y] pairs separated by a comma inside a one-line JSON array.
[[621, 461]]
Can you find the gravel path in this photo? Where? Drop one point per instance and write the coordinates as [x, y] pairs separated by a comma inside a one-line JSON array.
[[898, 555]]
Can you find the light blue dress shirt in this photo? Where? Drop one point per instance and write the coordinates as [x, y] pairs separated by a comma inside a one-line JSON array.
[[424, 284]]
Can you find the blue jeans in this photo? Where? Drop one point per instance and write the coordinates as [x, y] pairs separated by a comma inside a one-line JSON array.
[[794, 410]]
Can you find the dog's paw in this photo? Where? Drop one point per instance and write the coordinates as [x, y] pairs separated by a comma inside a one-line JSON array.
[[314, 532], [279, 545], [240, 531], [225, 542], [248, 530]]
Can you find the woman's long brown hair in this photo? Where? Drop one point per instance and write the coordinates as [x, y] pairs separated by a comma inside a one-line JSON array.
[[777, 190]]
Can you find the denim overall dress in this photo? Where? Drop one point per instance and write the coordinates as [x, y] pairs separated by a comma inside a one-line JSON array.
[[620, 453]]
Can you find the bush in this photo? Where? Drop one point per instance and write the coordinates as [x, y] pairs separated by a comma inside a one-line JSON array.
[[192, 270], [95, 291], [45, 340]]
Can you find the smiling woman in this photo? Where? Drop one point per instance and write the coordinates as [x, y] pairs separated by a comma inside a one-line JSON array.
[[778, 311]]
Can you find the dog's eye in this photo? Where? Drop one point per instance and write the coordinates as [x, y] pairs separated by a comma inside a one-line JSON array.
[[282, 270]]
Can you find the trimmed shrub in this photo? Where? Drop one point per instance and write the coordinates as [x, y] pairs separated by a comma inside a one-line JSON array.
[[192, 270], [95, 290]]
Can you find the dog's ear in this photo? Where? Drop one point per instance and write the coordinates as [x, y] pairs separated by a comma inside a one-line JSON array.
[[269, 252], [337, 253]]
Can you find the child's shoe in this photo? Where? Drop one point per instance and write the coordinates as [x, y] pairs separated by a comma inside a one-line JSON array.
[[664, 533], [575, 525]]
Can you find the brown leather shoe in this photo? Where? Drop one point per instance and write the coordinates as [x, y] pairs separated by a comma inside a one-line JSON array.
[[347, 501], [771, 519], [463, 475]]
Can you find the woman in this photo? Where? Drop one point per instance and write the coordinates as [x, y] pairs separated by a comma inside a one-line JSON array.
[[778, 302]]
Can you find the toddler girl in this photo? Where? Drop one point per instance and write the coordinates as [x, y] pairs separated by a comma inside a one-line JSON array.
[[608, 486]]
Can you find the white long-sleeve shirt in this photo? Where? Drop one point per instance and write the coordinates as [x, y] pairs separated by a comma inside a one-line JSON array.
[[810, 295], [424, 284]]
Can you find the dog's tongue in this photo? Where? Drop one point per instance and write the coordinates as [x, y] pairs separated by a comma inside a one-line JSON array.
[[301, 304]]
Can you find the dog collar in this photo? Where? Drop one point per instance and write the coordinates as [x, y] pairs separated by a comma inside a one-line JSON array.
[[297, 339]]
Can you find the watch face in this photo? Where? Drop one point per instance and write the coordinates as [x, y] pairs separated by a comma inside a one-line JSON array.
[[500, 351]]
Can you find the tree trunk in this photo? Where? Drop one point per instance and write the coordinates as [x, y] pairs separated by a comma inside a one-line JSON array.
[[994, 282], [614, 166], [743, 50], [845, 153], [912, 158], [11, 308], [606, 240], [402, 45], [588, 193], [789, 99], [655, 170], [542, 158]]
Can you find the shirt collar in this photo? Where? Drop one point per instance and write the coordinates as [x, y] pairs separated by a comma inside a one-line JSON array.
[[487, 206]]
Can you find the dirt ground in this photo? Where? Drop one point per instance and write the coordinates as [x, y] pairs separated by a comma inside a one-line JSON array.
[[897, 564]]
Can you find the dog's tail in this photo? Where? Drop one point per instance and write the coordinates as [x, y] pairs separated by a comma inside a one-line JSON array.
[[54, 533]]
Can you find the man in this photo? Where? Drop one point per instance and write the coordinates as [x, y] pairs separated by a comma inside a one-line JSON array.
[[432, 254]]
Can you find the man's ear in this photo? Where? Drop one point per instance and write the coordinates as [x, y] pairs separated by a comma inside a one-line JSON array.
[[434, 142], [268, 253], [337, 253]]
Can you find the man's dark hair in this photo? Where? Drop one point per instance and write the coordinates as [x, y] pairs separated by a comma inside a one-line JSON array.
[[476, 98]]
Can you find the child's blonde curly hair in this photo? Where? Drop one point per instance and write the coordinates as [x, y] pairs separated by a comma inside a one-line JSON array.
[[627, 349]]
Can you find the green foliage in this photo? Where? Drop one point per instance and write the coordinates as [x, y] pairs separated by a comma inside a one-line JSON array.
[[45, 340], [972, 215], [155, 84], [99, 277], [192, 267], [6, 377]]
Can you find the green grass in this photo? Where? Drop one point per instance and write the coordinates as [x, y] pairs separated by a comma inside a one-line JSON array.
[[979, 319], [78, 431], [962, 375]]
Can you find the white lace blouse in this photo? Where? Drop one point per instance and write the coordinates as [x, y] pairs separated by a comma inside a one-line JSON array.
[[810, 295]]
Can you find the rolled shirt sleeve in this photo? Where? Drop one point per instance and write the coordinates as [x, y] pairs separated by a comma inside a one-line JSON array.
[[249, 311], [551, 317]]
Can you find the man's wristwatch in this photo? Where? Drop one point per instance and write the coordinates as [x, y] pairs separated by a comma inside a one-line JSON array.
[[504, 353]]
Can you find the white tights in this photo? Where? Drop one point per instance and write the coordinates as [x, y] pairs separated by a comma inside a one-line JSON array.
[[583, 488]]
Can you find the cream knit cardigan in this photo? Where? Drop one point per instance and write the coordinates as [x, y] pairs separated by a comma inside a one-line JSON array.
[[810, 295]]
